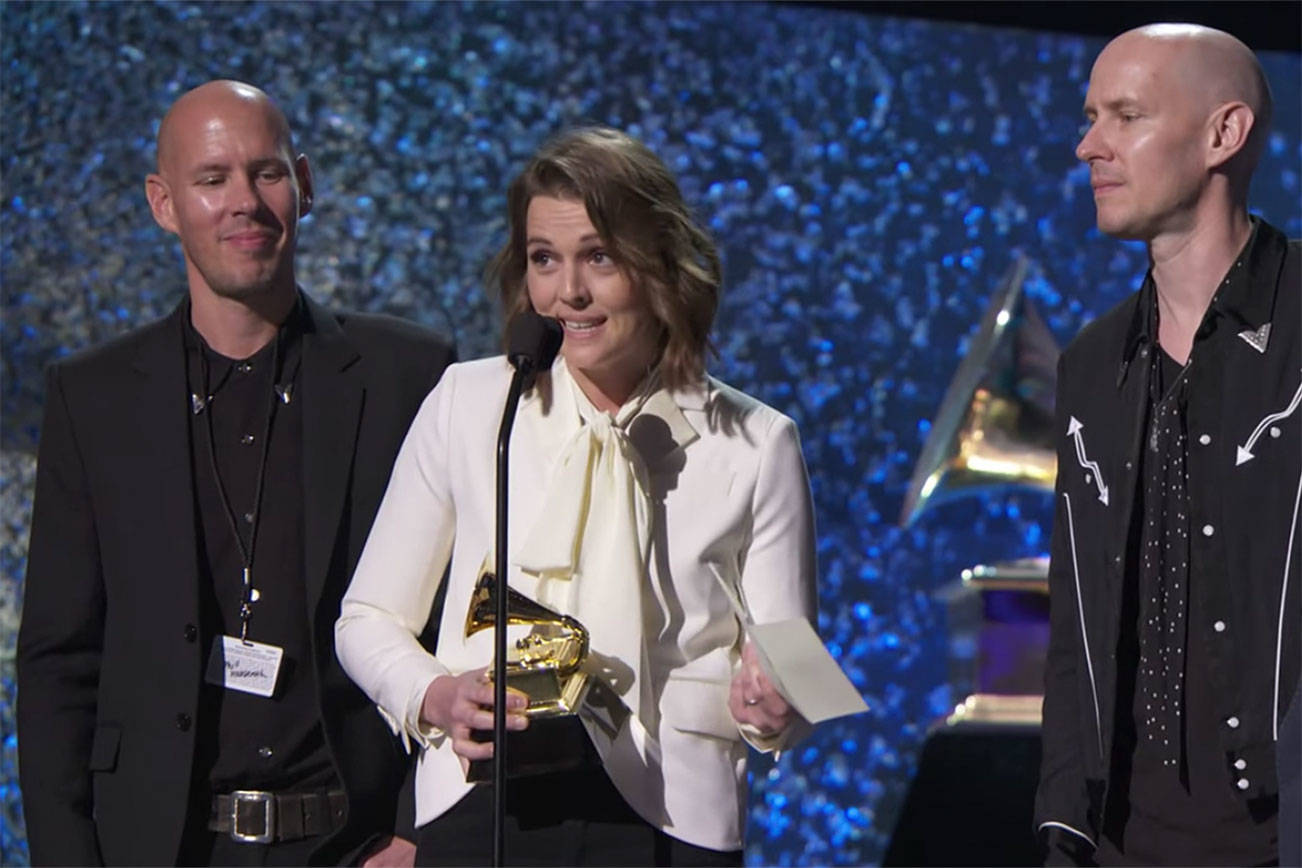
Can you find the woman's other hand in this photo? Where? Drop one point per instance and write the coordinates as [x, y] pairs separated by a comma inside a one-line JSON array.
[[754, 700]]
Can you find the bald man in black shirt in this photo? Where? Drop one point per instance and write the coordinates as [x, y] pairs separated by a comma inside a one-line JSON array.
[[204, 487]]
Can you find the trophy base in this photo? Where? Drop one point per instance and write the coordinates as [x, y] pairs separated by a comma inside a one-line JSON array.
[[552, 743], [550, 694]]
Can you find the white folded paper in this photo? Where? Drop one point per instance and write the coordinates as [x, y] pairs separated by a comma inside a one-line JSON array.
[[796, 662]]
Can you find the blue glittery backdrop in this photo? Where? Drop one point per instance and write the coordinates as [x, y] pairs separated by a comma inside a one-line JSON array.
[[868, 180]]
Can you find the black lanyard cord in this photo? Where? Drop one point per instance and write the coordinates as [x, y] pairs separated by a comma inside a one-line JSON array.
[[246, 552]]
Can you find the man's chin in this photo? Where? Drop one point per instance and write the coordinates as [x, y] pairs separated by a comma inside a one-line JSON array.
[[243, 291], [251, 285], [1120, 230]]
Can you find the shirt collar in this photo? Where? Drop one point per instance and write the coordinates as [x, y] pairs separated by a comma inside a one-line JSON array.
[[1246, 292], [651, 399], [290, 332]]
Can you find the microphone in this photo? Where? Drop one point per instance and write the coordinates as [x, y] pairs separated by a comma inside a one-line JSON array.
[[532, 343]]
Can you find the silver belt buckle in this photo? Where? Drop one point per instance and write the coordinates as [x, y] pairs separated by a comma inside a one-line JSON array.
[[268, 802]]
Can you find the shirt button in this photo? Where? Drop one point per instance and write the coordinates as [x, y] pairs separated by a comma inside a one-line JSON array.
[[183, 721], [1232, 723], [1208, 530], [1219, 626], [1205, 439], [1242, 783], [265, 752], [1240, 764], [248, 438], [191, 632], [243, 367]]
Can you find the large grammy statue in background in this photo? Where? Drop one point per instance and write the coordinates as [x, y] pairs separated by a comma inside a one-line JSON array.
[[994, 431], [978, 768]]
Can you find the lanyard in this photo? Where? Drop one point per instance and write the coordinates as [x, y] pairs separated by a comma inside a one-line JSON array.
[[249, 593]]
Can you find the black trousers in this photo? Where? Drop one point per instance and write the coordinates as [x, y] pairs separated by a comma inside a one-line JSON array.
[[221, 850], [563, 818]]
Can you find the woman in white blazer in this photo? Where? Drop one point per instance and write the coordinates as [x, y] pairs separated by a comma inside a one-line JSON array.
[[640, 488]]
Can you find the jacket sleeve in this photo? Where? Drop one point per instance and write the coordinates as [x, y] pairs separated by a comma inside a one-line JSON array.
[[60, 642], [399, 573], [779, 573], [1061, 802]]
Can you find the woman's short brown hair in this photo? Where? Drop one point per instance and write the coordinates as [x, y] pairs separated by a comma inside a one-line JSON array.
[[635, 205]]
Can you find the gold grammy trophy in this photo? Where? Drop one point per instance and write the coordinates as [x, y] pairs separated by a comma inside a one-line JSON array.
[[544, 664], [994, 431]]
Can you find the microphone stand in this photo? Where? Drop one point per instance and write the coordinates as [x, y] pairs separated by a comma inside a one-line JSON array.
[[524, 371]]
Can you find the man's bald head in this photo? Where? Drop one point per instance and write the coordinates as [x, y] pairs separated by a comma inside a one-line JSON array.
[[218, 98], [1178, 117], [231, 189], [1210, 66]]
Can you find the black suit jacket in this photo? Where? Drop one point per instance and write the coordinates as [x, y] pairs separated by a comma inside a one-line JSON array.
[[109, 660]]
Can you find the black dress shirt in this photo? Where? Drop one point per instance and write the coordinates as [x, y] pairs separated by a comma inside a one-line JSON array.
[[247, 741]]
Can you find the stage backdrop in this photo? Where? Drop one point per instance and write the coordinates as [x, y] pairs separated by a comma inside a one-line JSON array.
[[868, 180]]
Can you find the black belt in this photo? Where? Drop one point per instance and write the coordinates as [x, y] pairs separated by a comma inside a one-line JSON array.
[[260, 817]]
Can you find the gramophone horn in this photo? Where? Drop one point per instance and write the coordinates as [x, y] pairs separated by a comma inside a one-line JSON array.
[[994, 426], [558, 641]]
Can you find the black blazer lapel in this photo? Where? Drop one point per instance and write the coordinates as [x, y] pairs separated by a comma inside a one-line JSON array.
[[333, 391], [157, 398]]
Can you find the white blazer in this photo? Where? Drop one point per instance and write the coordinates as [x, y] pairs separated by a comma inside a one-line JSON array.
[[728, 488]]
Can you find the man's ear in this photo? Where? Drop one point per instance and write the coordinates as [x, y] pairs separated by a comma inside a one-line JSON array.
[[1230, 126], [160, 202], [303, 172]]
